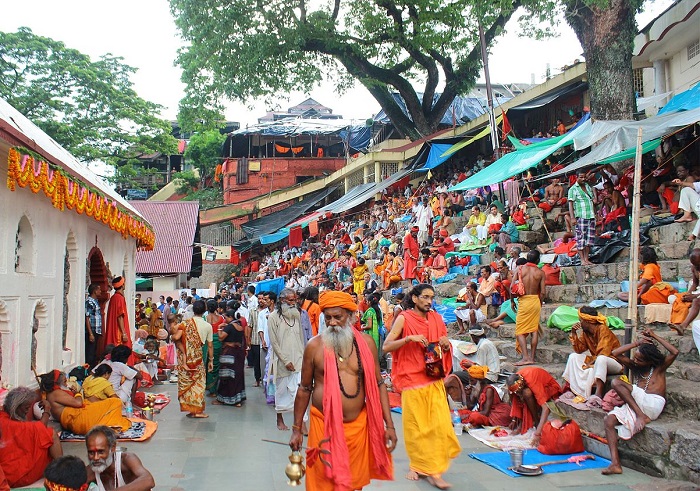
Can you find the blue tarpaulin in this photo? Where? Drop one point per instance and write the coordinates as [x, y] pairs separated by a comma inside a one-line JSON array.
[[274, 285], [690, 99], [435, 157]]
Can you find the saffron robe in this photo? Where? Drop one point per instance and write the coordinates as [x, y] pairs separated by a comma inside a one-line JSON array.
[[25, 450], [543, 387]]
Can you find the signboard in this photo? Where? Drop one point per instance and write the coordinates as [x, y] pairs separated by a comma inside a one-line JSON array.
[[136, 194]]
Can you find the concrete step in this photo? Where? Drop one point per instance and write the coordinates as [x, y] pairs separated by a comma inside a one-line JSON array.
[[616, 272], [581, 293]]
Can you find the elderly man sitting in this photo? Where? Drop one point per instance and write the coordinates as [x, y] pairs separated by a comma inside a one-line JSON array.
[[26, 446], [111, 468], [592, 362], [486, 354]]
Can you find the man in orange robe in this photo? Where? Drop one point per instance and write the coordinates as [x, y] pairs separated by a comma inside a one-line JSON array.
[[410, 254], [350, 426], [530, 391], [117, 330]]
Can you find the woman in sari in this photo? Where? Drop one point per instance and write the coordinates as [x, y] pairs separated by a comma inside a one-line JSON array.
[[358, 276], [231, 390], [373, 320], [216, 320], [190, 337]]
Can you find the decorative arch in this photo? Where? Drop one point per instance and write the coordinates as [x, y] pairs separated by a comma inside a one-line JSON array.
[[40, 360], [71, 291], [24, 246], [97, 272]]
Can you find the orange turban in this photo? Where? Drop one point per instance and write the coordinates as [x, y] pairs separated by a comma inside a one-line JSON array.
[[118, 282], [478, 372], [329, 299]]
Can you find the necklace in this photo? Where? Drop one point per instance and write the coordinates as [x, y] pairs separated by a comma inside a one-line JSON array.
[[359, 373], [341, 358], [647, 378]]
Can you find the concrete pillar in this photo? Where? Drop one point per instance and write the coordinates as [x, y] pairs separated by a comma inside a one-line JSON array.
[[365, 174], [347, 184], [659, 76], [378, 177]]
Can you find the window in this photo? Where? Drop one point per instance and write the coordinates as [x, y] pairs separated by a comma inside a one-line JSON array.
[[638, 81], [694, 49], [242, 171], [24, 247]]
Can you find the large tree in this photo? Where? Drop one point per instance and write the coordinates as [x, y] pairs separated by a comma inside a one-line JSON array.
[[606, 31], [245, 49], [89, 107]]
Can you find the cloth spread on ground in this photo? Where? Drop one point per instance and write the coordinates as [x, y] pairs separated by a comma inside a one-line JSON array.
[[447, 312], [370, 458], [658, 312], [501, 461], [139, 431], [427, 429], [607, 302], [565, 316], [509, 441]]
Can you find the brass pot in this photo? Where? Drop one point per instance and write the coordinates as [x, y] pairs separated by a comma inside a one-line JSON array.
[[295, 469]]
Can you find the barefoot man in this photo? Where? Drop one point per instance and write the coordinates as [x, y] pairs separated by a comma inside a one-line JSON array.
[[350, 415], [645, 400], [686, 307], [416, 335], [528, 308], [581, 199]]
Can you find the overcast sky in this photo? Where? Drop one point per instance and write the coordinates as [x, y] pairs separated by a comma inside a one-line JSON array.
[[144, 34]]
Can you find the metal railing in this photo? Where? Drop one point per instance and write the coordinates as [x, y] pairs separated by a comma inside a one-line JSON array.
[[221, 234]]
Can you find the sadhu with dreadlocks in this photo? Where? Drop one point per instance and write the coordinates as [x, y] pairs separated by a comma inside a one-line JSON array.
[[27, 445]]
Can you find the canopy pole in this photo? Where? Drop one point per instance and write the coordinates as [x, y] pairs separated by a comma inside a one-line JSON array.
[[632, 311], [489, 92], [539, 211]]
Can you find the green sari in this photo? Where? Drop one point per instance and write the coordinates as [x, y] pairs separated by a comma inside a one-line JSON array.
[[376, 324]]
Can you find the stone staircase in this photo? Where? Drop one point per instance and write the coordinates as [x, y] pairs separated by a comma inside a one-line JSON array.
[[670, 446]]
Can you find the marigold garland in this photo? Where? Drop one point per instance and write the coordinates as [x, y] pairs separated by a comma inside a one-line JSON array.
[[67, 192]]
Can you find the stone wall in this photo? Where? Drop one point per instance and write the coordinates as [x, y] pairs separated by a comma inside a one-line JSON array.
[[212, 273]]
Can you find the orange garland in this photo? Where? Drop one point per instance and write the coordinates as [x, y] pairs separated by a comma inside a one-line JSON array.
[[67, 192]]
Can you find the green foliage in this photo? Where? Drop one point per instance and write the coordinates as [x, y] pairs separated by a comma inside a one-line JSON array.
[[186, 182], [208, 198], [246, 49], [128, 176], [204, 151], [89, 107]]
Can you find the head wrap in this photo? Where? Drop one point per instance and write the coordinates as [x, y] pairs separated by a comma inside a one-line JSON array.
[[162, 334], [53, 486], [476, 331], [478, 372], [414, 229], [597, 319], [118, 282], [443, 232], [329, 299], [140, 334]]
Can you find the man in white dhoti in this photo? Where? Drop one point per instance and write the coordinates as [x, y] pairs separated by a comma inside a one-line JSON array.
[[592, 362], [287, 342], [688, 202], [645, 400]]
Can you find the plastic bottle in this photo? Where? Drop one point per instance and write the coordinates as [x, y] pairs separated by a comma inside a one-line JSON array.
[[564, 280], [455, 418], [682, 285], [129, 409]]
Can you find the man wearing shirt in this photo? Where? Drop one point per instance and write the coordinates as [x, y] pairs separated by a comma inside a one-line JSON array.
[[581, 198], [508, 233]]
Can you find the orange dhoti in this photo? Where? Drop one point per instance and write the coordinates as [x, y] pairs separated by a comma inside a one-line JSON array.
[[80, 420], [357, 439], [680, 310]]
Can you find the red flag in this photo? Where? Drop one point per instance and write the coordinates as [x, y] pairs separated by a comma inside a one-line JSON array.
[[506, 126]]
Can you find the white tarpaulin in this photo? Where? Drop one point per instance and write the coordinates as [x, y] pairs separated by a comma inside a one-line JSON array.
[[616, 136]]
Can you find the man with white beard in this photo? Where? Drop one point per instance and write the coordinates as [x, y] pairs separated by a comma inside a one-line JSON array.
[[287, 341], [112, 469], [350, 420]]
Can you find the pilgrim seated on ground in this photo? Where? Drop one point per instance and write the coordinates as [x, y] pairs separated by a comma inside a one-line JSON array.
[[530, 391], [484, 403], [27, 445], [124, 378], [75, 414]]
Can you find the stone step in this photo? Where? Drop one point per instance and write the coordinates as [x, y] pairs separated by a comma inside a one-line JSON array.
[[581, 293], [671, 270], [671, 233]]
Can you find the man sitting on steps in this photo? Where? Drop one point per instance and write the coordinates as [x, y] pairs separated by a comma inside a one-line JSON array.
[[645, 400]]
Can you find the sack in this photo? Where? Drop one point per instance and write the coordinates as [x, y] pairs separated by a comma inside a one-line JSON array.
[[433, 361], [563, 440]]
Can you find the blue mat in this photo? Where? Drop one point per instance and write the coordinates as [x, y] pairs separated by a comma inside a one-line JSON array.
[[501, 461]]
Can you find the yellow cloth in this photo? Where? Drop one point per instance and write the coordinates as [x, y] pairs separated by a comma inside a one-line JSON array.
[[527, 319], [478, 372], [427, 429], [80, 420], [98, 387], [331, 298], [598, 319]]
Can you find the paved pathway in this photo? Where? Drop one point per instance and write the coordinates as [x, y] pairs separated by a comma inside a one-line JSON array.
[[225, 452]]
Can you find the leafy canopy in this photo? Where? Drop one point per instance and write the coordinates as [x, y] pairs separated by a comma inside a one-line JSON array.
[[245, 49], [204, 151], [89, 107]]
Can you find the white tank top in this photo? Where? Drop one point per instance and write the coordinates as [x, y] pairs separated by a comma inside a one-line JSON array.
[[119, 477]]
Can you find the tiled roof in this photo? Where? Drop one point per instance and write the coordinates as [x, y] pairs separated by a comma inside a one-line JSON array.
[[175, 224]]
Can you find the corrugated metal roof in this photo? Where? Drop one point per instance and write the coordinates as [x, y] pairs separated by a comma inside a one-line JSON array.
[[175, 224]]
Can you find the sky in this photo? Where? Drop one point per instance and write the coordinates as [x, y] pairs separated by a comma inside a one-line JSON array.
[[144, 34]]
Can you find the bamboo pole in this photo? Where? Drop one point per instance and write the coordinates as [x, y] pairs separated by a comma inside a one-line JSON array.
[[632, 312]]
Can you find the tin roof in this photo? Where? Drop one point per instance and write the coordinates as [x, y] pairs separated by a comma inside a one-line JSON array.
[[175, 224]]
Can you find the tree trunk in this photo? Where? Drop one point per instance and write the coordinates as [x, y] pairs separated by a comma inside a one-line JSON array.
[[607, 37]]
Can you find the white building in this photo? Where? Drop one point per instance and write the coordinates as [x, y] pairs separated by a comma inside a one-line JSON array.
[[50, 252], [666, 53]]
